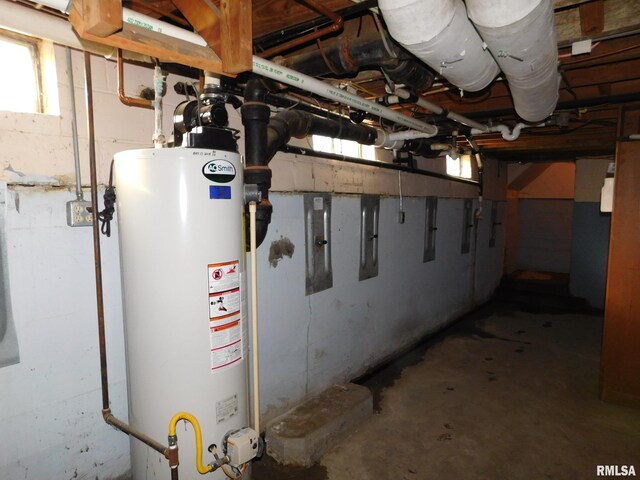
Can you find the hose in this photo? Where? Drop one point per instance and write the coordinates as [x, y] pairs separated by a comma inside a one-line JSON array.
[[187, 417]]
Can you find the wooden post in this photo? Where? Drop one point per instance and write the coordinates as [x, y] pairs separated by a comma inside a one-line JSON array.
[[620, 366]]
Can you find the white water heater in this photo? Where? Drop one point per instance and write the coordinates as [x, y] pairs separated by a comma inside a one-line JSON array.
[[182, 259]]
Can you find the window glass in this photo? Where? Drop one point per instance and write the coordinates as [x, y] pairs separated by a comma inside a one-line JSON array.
[[19, 85], [343, 147]]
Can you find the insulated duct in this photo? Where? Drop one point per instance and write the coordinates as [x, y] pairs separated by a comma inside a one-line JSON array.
[[521, 36], [440, 34]]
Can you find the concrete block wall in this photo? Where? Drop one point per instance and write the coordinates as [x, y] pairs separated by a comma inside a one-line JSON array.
[[50, 407]]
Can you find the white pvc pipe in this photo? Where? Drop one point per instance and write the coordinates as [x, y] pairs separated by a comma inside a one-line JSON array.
[[440, 34], [29, 21], [296, 79], [254, 317], [509, 135], [278, 73], [438, 110], [155, 25]]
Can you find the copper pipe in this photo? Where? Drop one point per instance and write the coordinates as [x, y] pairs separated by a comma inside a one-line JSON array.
[[109, 418], [128, 101], [96, 232], [337, 25], [129, 430]]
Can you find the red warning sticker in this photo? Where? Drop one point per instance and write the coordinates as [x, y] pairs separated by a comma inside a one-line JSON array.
[[225, 325]]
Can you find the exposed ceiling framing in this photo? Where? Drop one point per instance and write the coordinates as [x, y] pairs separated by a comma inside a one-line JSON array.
[[593, 86]]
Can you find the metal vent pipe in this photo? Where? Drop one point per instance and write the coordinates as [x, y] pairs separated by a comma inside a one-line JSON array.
[[521, 36], [440, 34]]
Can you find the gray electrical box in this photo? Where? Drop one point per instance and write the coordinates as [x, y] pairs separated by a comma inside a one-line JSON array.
[[317, 228], [467, 225], [430, 228], [369, 215]]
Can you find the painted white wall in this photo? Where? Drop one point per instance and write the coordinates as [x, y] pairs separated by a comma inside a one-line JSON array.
[[52, 410], [311, 342], [51, 400]]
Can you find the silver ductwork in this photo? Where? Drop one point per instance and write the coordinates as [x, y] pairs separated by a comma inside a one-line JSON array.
[[518, 34], [440, 34], [521, 36]]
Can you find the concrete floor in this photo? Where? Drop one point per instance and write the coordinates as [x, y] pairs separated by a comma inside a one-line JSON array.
[[504, 394]]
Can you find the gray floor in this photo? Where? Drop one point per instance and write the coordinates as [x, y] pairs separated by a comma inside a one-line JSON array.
[[506, 394]]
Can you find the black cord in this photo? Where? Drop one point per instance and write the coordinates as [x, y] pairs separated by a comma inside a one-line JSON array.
[[106, 215]]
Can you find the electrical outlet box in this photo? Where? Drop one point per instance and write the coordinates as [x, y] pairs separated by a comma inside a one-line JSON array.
[[79, 213], [243, 446]]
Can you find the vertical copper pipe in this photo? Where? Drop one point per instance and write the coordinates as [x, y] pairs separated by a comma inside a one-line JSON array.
[[128, 101], [97, 257]]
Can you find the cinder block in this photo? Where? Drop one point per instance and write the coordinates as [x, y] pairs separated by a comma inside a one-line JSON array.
[[301, 436]]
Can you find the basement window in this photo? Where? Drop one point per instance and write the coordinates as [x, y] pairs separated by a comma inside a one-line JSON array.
[[348, 148], [459, 166], [32, 71]]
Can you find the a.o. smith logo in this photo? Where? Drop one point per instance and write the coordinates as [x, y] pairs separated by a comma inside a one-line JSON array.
[[219, 171], [615, 471]]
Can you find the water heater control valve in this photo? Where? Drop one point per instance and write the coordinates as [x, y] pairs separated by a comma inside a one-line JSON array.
[[243, 446]]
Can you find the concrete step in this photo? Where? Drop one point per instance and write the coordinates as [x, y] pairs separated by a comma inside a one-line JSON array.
[[302, 435]]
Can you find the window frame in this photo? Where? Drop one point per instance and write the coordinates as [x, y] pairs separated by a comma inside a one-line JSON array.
[[35, 47]]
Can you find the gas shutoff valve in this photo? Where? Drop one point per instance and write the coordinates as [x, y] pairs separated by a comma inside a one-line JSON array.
[[243, 446]]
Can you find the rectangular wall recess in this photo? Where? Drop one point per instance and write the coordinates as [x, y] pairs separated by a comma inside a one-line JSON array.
[[430, 228], [317, 228], [467, 225], [495, 222], [369, 218]]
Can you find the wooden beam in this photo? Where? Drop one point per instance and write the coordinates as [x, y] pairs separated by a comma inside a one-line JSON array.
[[203, 19], [592, 18], [228, 35], [101, 18], [237, 42], [620, 363], [146, 42]]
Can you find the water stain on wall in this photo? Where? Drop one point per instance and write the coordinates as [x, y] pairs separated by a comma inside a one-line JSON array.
[[279, 249]]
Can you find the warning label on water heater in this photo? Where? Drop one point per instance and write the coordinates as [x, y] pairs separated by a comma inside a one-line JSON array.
[[225, 326]]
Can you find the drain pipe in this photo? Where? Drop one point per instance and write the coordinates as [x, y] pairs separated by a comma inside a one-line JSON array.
[[296, 79], [254, 317], [280, 74], [294, 123], [255, 118], [169, 453], [476, 127], [401, 93]]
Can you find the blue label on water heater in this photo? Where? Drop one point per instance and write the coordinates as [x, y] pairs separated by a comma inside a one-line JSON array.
[[218, 192]]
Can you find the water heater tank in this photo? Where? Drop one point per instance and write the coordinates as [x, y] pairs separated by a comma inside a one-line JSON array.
[[180, 227]]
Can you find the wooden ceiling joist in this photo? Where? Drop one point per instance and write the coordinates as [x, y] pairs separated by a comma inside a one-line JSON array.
[[230, 38]]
